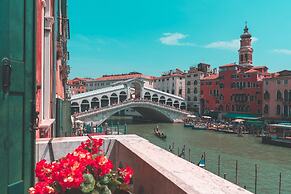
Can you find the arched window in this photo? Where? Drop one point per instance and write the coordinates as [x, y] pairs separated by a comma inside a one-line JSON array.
[[195, 82], [188, 90], [183, 106], [266, 95], [176, 104], [188, 83], [104, 101], [195, 90], [113, 99], [266, 109], [94, 103], [285, 95], [279, 95], [162, 100], [247, 57], [75, 107], [278, 109], [285, 110], [155, 98], [85, 105], [195, 98], [147, 96], [122, 96], [169, 102]]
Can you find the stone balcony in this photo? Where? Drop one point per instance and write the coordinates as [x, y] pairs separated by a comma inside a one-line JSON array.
[[157, 171]]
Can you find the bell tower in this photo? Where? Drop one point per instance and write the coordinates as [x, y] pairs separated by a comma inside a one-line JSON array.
[[246, 50]]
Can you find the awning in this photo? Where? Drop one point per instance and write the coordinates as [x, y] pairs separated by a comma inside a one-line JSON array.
[[241, 116], [283, 125], [255, 122]]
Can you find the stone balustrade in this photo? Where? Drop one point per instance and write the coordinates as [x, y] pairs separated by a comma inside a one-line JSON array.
[[157, 171]]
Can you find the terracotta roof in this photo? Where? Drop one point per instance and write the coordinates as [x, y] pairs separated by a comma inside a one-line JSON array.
[[260, 67], [123, 77], [229, 65], [171, 75], [211, 77], [252, 71]]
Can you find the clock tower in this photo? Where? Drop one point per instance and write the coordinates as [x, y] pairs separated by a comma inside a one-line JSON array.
[[246, 50]]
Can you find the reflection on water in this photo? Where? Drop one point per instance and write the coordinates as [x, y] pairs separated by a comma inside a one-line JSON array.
[[248, 150]]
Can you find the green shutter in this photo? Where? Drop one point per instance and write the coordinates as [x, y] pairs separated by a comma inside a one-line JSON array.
[[17, 103]]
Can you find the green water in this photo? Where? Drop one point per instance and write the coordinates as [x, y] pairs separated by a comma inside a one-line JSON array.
[[248, 150]]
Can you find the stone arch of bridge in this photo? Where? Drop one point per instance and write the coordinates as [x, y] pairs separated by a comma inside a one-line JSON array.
[[148, 113]]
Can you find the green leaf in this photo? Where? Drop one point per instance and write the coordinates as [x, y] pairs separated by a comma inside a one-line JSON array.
[[95, 192], [88, 184], [106, 190], [105, 180]]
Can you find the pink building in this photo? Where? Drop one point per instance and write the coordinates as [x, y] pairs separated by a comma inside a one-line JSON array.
[[277, 96], [51, 65]]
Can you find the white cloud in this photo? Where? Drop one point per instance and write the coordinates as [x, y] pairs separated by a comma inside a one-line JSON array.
[[174, 39], [282, 51], [230, 44]]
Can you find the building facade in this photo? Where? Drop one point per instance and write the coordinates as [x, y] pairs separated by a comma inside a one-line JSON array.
[[277, 96], [77, 85], [107, 80], [52, 70], [172, 82], [192, 86], [237, 88]]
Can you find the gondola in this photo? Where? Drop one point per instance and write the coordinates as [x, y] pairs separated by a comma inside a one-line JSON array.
[[160, 134]]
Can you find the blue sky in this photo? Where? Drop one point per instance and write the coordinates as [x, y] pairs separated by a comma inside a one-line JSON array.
[[153, 36]]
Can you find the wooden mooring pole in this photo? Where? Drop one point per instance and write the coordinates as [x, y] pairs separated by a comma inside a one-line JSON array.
[[218, 166], [236, 172], [256, 177], [280, 182], [204, 160], [189, 155]]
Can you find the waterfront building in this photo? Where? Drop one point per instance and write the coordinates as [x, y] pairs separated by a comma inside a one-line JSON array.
[[172, 82], [192, 84], [77, 85], [237, 88], [277, 96], [107, 80], [52, 70]]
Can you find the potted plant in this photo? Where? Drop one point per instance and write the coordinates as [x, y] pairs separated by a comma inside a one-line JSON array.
[[85, 171]]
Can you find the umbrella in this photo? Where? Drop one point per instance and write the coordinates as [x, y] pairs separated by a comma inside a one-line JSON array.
[[238, 120]]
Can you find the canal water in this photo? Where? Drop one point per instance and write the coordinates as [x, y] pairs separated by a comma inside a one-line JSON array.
[[247, 150]]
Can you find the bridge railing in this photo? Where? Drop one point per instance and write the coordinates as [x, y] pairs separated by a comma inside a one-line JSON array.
[[130, 101]]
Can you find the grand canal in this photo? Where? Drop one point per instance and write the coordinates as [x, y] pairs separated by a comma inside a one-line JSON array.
[[247, 150]]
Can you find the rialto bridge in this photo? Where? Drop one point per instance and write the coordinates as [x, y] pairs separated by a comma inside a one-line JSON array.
[[98, 105]]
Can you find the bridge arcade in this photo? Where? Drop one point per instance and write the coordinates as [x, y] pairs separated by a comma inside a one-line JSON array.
[[119, 92]]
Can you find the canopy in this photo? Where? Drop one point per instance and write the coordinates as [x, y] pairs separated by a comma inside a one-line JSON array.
[[206, 117], [241, 116], [191, 116], [282, 125]]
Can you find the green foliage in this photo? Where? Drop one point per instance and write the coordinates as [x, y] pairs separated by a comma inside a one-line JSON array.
[[89, 183]]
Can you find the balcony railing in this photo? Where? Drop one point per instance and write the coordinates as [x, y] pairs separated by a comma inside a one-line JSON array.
[[156, 170]]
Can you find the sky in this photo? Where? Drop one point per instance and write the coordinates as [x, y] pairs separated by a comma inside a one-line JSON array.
[[154, 36]]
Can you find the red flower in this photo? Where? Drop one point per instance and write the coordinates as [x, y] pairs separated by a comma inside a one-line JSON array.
[[126, 173], [67, 173], [42, 188], [102, 165]]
